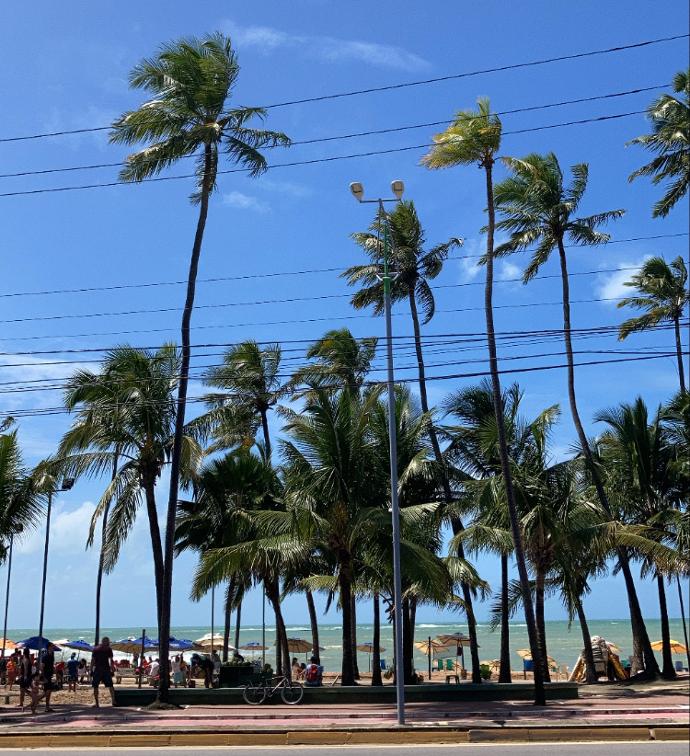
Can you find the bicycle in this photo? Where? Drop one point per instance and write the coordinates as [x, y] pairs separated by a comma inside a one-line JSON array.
[[256, 693]]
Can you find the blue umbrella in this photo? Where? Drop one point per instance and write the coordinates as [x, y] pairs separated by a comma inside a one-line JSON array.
[[77, 645], [181, 644], [40, 644]]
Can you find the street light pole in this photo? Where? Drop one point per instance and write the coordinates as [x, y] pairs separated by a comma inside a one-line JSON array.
[[358, 190], [7, 594]]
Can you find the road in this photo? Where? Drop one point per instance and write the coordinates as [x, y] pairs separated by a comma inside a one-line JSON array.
[[505, 749]]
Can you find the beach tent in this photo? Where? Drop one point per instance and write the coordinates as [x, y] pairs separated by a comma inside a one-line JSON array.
[[368, 648]]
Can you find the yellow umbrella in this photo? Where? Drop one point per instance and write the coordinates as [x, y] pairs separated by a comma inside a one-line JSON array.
[[676, 647], [8, 644], [432, 646], [526, 654]]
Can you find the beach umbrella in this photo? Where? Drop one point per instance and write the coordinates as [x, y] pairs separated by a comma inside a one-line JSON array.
[[210, 641], [493, 664], [432, 647], [253, 646], [526, 654], [300, 646], [77, 645], [36, 643], [368, 648], [180, 644], [135, 645], [8, 644], [457, 639], [676, 647]]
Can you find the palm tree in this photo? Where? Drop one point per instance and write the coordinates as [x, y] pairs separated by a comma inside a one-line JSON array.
[[670, 140], [662, 292], [415, 267], [250, 384], [143, 383], [537, 208], [638, 456], [96, 396], [474, 138], [339, 360], [191, 81]]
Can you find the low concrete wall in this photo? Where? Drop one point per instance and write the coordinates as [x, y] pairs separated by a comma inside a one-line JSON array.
[[356, 694]]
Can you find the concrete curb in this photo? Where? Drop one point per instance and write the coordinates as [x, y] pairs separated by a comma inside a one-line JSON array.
[[351, 736]]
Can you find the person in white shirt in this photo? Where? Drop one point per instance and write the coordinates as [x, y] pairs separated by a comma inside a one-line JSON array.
[[154, 671]]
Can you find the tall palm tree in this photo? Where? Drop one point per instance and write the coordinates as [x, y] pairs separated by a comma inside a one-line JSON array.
[[96, 396], [191, 82], [670, 140], [640, 459], [143, 382], [474, 138], [661, 291], [250, 384], [415, 266], [538, 208]]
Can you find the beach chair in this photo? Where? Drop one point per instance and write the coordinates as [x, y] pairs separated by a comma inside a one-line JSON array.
[[439, 663], [382, 662], [450, 665], [679, 666]]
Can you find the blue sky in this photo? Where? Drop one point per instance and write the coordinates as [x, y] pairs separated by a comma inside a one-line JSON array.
[[65, 67]]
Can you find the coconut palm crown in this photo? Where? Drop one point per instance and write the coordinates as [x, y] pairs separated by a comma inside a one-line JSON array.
[[670, 141]]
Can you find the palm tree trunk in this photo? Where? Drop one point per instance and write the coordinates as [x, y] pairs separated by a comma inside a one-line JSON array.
[[376, 654], [355, 665], [282, 651], [347, 671], [267, 435], [679, 354], [668, 672], [457, 524], [229, 593], [408, 644], [238, 624], [682, 614], [541, 625], [505, 675], [590, 669], [101, 556], [314, 622], [156, 548], [532, 632], [164, 630], [637, 620]]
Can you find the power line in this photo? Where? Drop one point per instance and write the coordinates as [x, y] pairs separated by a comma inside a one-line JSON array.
[[473, 335], [287, 300], [310, 271], [296, 163], [402, 85], [358, 134], [44, 411]]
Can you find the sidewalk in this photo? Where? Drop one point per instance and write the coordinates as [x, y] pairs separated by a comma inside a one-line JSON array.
[[660, 714]]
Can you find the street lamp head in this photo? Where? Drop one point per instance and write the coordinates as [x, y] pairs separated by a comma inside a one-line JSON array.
[[398, 187], [358, 190]]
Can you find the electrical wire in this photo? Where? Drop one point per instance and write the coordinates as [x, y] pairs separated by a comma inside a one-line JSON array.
[[402, 85]]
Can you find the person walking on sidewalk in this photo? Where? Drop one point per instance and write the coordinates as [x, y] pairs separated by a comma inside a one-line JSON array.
[[102, 669]]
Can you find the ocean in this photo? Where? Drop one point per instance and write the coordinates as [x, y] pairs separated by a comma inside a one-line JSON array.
[[564, 643]]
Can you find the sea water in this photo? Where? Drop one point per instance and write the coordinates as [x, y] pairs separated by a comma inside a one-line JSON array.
[[563, 641]]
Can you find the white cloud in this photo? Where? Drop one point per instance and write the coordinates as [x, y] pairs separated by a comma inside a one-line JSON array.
[[268, 39], [509, 271], [69, 530], [612, 285], [469, 261], [285, 188], [241, 201]]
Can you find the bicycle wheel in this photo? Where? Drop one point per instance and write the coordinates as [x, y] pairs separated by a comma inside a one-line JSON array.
[[254, 694], [291, 693]]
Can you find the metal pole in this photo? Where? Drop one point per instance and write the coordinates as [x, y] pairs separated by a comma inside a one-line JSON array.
[[7, 595], [395, 509], [429, 650], [141, 661], [45, 572]]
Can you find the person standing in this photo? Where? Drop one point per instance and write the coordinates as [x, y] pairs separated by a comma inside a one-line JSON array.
[[72, 673], [102, 669], [26, 680], [46, 670]]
